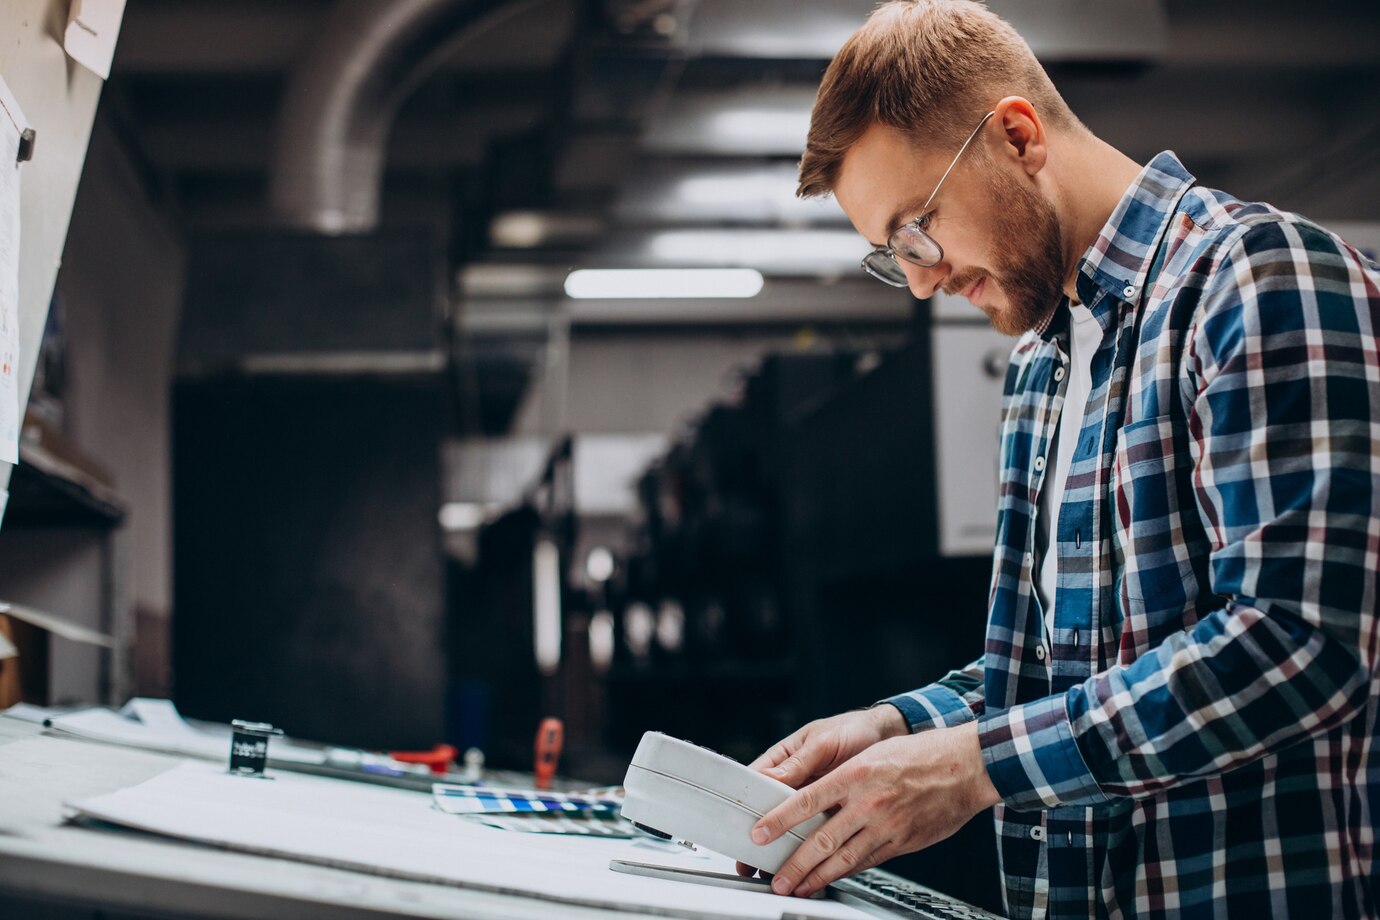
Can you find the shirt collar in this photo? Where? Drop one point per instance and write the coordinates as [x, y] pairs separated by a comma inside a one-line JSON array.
[[1119, 261]]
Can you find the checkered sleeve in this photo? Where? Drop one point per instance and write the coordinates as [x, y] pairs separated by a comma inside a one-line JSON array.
[[952, 700], [1282, 384]]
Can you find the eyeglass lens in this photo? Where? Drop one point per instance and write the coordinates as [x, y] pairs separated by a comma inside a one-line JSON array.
[[909, 243], [914, 245], [883, 267]]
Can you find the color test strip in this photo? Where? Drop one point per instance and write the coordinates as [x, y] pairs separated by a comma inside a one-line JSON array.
[[471, 800]]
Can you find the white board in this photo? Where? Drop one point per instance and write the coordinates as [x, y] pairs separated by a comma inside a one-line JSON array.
[[59, 101]]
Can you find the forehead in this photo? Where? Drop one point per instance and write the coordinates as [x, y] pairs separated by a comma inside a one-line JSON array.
[[882, 172]]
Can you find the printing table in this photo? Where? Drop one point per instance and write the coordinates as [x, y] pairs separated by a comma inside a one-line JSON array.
[[55, 871]]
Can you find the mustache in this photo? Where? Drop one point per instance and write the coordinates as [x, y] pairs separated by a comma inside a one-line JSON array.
[[961, 282]]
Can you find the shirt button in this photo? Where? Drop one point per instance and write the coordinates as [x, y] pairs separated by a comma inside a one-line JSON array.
[[1040, 652], [1130, 290], [1037, 833], [1058, 374], [1029, 558], [1039, 464]]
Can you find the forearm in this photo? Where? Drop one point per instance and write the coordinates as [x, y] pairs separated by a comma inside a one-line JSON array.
[[1240, 685]]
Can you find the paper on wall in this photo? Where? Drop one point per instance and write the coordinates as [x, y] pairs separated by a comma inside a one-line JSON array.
[[92, 27], [12, 125]]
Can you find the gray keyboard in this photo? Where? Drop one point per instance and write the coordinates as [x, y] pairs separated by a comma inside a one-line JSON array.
[[883, 894], [874, 892]]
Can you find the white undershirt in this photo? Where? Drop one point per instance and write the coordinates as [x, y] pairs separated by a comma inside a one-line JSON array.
[[1085, 335]]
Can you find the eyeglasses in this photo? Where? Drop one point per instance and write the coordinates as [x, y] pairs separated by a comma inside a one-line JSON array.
[[910, 241]]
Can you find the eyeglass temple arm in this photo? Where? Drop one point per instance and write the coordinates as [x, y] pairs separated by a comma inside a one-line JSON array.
[[926, 206]]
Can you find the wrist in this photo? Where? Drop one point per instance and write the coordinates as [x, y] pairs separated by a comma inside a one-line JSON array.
[[985, 794], [889, 721]]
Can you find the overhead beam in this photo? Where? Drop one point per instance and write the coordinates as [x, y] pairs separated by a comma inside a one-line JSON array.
[[1057, 30], [1281, 36], [167, 37], [416, 144]]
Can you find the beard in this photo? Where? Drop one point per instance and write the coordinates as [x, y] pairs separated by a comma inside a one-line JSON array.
[[1029, 269]]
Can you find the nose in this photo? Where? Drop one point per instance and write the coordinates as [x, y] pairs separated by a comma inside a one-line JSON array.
[[924, 282]]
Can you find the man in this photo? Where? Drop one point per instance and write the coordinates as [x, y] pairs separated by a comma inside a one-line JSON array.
[[1176, 710]]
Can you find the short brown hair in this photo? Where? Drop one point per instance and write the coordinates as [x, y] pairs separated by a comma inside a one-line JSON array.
[[928, 68]]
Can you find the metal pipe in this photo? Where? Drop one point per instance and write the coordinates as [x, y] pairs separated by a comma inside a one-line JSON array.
[[340, 102]]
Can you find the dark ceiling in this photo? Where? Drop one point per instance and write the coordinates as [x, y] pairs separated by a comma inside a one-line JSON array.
[[563, 105], [664, 132]]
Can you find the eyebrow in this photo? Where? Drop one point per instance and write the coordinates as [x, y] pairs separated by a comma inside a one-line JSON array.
[[908, 207]]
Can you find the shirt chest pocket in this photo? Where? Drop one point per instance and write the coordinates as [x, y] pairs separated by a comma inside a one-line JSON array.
[[1143, 472]]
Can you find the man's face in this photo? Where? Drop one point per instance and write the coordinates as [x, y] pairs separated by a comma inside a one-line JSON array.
[[1003, 248]]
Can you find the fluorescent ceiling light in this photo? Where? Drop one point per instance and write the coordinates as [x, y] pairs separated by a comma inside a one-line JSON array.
[[530, 229], [758, 195], [656, 283], [733, 188], [519, 230], [760, 124], [768, 247], [766, 120], [458, 516]]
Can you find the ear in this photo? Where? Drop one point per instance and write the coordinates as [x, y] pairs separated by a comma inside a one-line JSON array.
[[1025, 140]]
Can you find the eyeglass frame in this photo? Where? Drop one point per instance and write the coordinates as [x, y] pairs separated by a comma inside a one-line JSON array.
[[889, 250]]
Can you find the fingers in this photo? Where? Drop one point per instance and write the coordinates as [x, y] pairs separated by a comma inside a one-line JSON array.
[[797, 769], [797, 759], [842, 846], [862, 852], [804, 804], [823, 744], [777, 752]]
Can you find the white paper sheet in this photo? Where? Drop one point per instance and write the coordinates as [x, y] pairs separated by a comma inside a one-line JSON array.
[[156, 725], [12, 124], [27, 712], [397, 834], [92, 27], [158, 716]]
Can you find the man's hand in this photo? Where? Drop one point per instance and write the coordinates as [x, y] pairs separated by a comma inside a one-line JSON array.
[[810, 752], [899, 795], [819, 747]]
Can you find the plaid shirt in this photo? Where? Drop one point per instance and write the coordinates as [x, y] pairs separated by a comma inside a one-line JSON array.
[[1197, 736]]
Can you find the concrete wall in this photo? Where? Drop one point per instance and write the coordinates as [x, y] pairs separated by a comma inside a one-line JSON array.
[[121, 286]]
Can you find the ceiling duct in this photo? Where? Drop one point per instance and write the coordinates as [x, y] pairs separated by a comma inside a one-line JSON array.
[[341, 99]]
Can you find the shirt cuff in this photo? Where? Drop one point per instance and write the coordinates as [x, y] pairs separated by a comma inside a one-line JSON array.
[[1032, 759], [932, 707]]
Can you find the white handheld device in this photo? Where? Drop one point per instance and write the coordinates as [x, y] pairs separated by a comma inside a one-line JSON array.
[[679, 789]]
